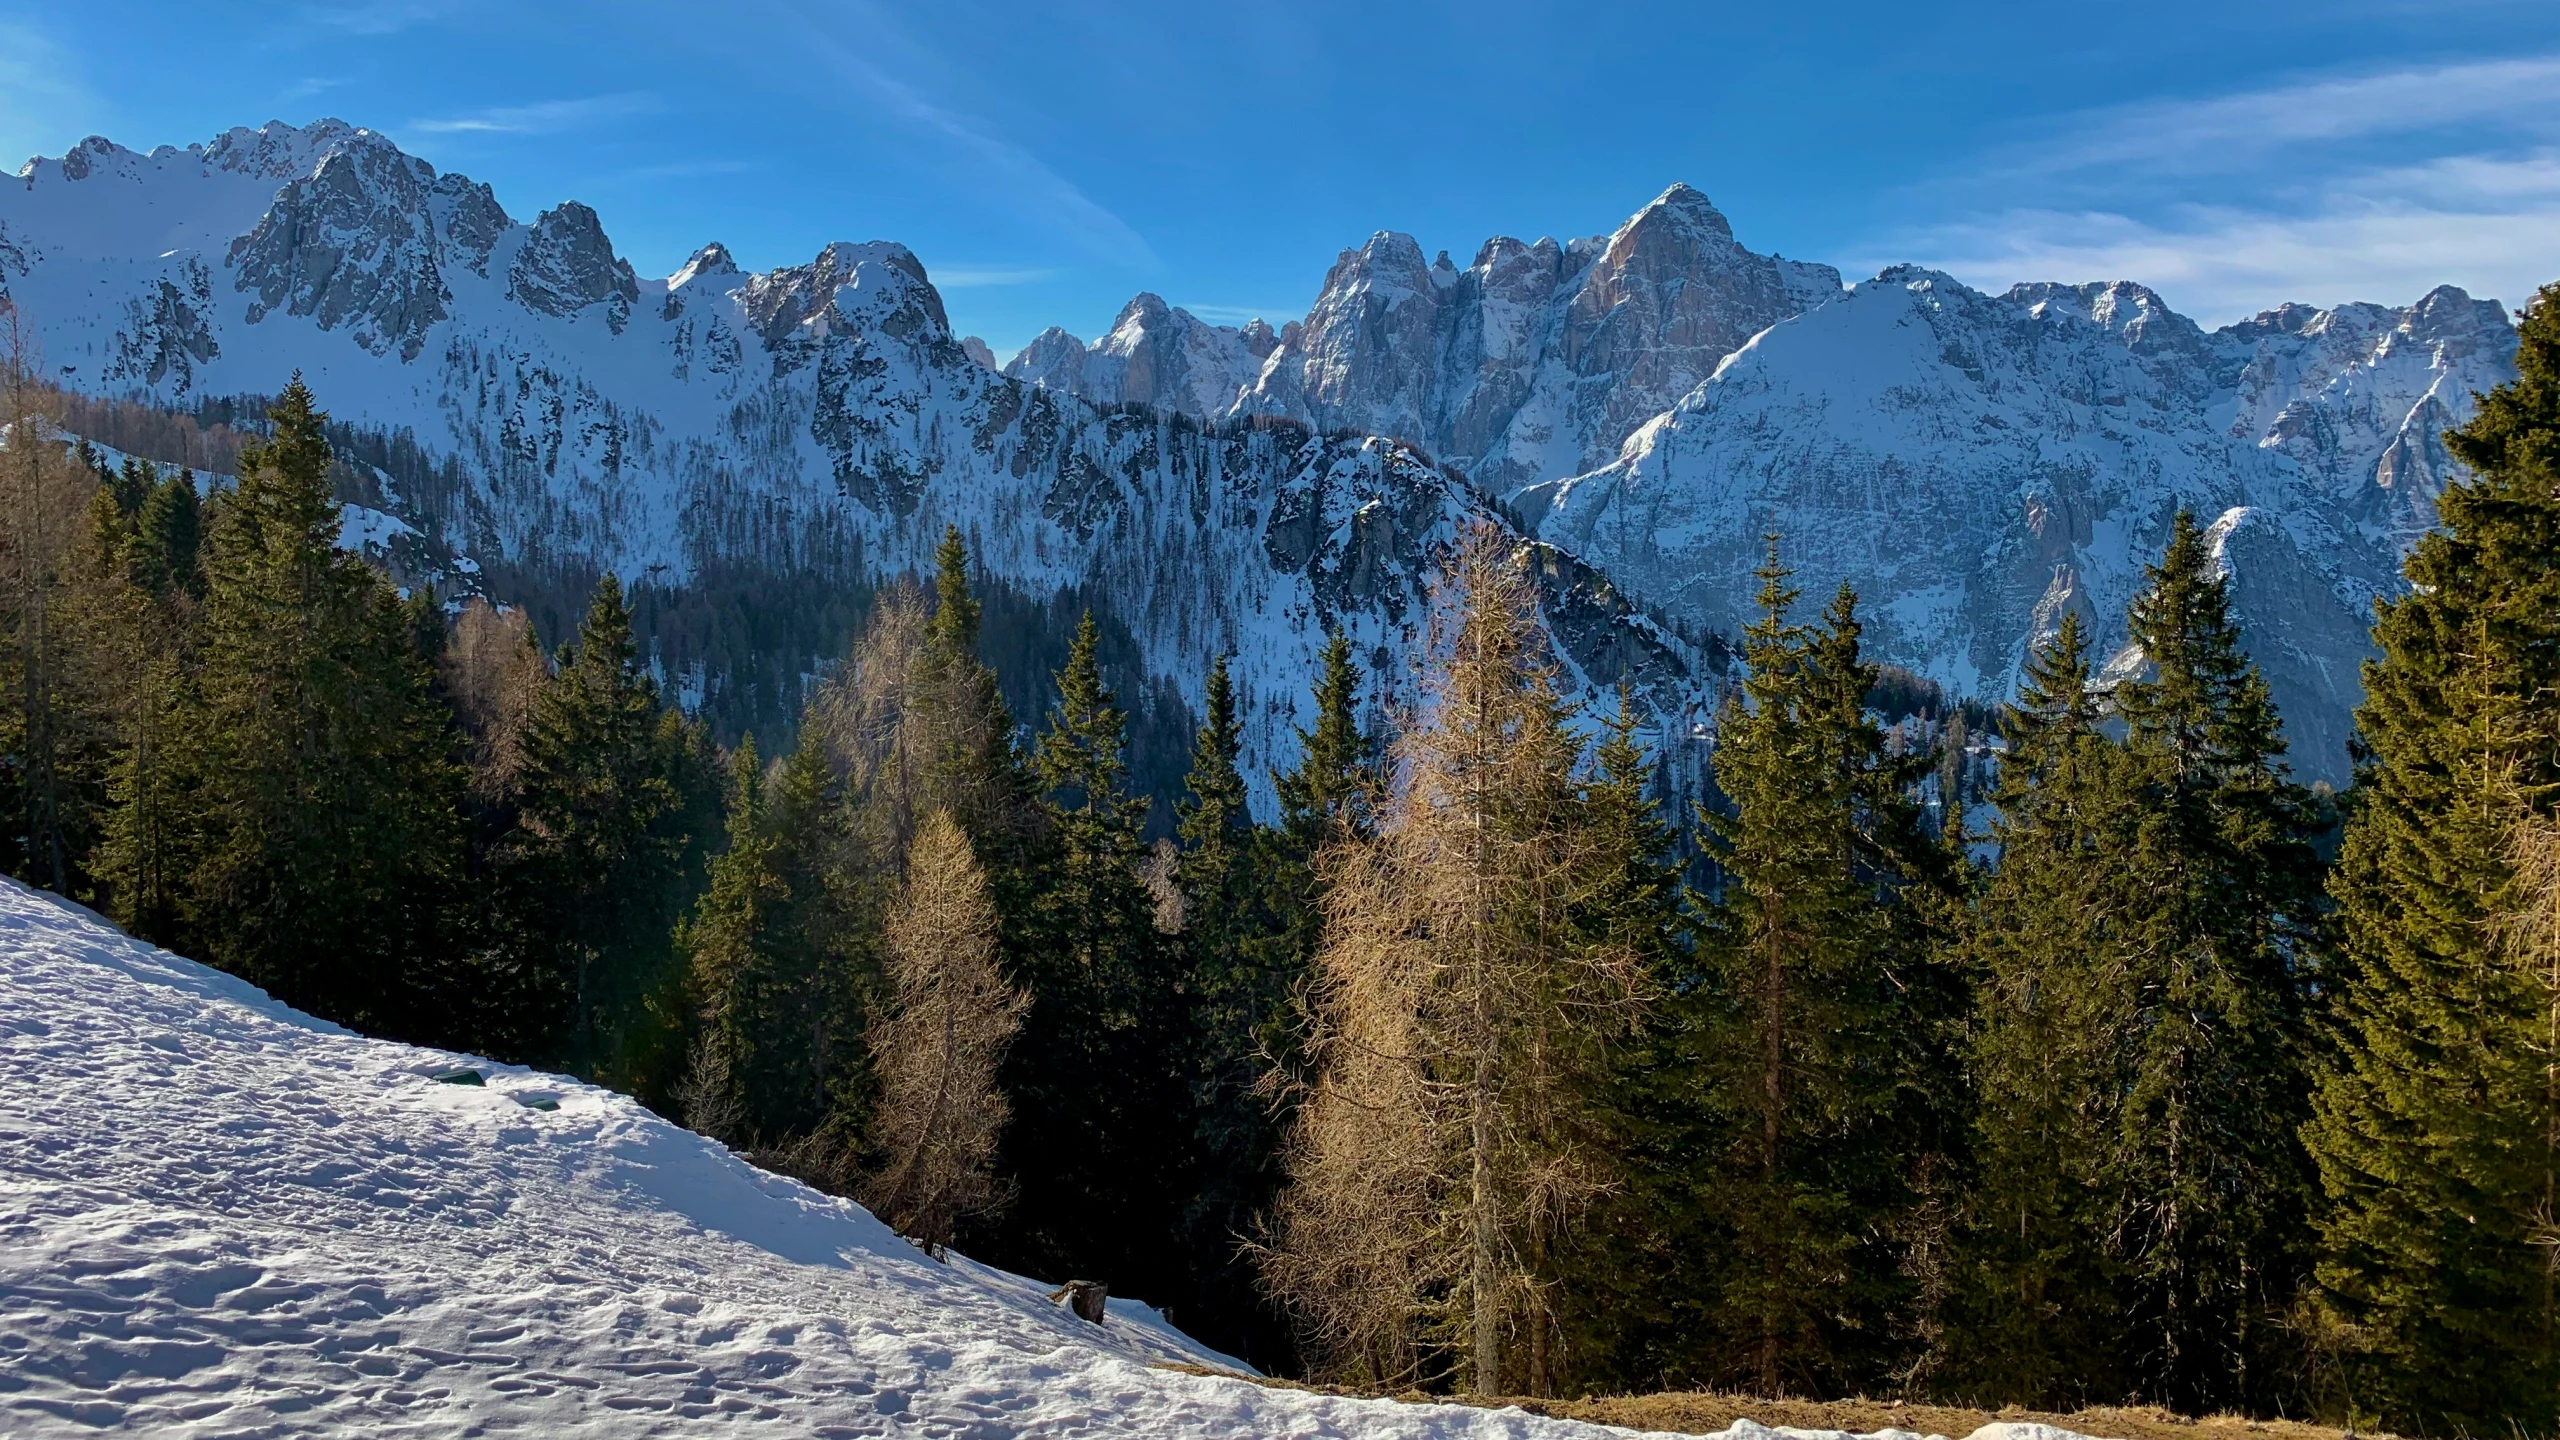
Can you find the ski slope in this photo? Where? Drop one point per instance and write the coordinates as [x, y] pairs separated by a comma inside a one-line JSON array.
[[220, 1217]]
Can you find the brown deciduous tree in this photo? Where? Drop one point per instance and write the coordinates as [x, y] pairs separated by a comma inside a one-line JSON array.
[[1459, 1013], [937, 1045]]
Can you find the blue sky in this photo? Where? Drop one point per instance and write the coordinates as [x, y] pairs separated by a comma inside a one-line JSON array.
[[1049, 160]]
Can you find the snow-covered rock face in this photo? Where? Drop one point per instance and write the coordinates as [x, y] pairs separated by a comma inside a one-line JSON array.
[[1974, 464], [351, 244], [566, 265], [815, 413], [1156, 354], [1532, 363]]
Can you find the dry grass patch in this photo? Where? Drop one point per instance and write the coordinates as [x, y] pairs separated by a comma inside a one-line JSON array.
[[1703, 1414]]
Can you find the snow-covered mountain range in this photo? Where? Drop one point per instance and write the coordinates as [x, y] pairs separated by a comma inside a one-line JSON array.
[[1534, 361], [1650, 403], [1658, 400], [812, 414]]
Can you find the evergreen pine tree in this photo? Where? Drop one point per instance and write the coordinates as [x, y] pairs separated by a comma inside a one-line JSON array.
[[1240, 976], [1327, 798], [781, 966], [2145, 947], [1100, 1105], [154, 635], [718, 942], [2218, 954], [1328, 793], [1804, 1026], [964, 734], [1611, 1311], [2038, 1318], [595, 873], [2434, 1129], [168, 531], [316, 762]]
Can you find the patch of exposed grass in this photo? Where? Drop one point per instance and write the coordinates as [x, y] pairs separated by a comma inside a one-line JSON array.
[[1692, 1413]]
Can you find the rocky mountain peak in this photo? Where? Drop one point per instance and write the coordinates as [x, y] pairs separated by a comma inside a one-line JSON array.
[[711, 261], [1680, 215], [567, 265], [2448, 315], [1389, 267], [1054, 359], [1146, 310], [278, 151], [85, 159], [351, 243], [1535, 361], [877, 286]]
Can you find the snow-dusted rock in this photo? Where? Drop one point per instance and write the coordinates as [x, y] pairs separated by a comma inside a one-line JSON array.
[[1975, 463], [1652, 401], [1531, 363], [1156, 354]]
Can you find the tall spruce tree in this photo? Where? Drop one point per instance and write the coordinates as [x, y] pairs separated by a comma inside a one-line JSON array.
[[2146, 947], [2204, 1161], [2437, 1127], [1327, 797], [964, 734], [317, 764], [1805, 1024], [1330, 790], [1611, 1305], [1101, 1110], [2037, 1317], [604, 854], [1240, 973], [719, 943], [783, 967], [156, 638]]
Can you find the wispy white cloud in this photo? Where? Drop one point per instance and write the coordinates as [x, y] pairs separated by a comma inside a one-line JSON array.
[[2489, 224], [972, 277], [545, 117], [1004, 167], [2375, 186], [2518, 95], [305, 88]]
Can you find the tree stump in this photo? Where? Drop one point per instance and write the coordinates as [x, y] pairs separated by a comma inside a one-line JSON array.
[[1087, 1298]]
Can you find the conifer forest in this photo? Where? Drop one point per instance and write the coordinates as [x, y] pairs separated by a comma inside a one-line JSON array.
[[2130, 1071]]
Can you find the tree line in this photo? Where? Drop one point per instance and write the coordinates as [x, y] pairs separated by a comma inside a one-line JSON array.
[[2147, 1075]]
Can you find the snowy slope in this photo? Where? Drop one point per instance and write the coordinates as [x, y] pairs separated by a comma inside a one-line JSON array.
[[221, 1217]]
